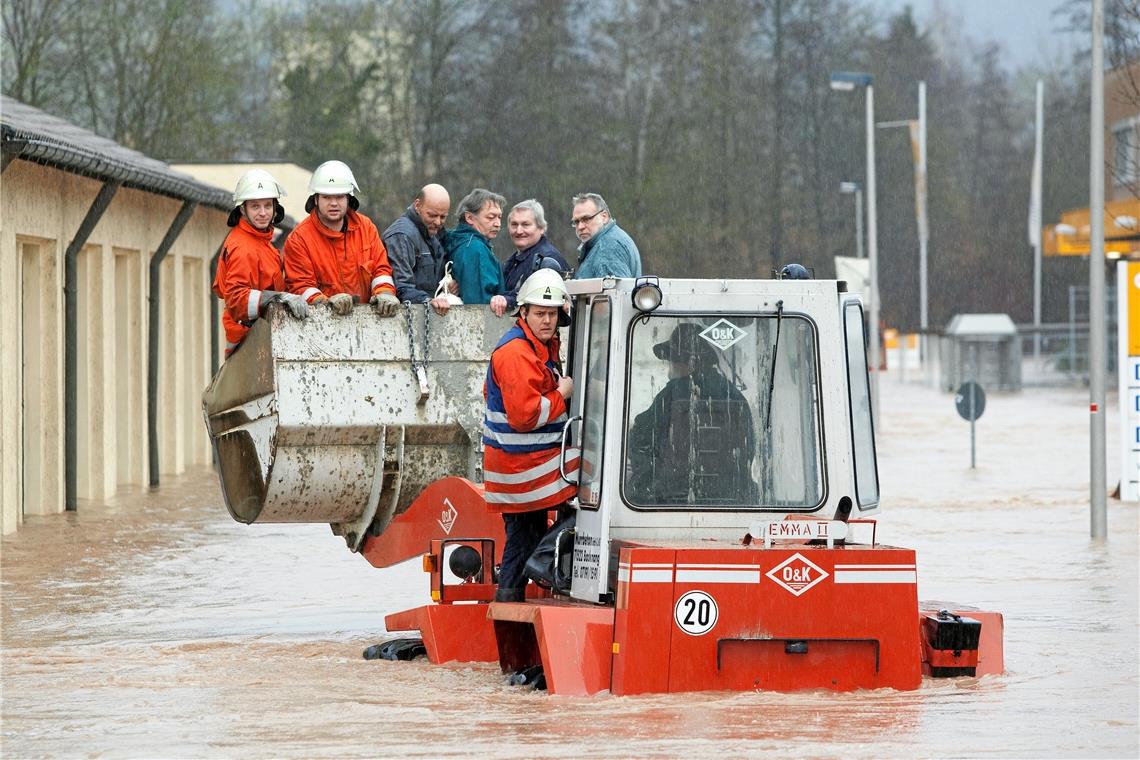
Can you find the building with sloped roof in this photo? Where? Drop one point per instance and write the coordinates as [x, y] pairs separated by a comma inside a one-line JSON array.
[[105, 330]]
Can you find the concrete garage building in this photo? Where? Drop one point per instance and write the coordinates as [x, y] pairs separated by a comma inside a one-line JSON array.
[[105, 330]]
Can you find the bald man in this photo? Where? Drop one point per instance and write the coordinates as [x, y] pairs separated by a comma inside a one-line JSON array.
[[415, 247]]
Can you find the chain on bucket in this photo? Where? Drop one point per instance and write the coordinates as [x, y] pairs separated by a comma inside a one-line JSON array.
[[419, 367]]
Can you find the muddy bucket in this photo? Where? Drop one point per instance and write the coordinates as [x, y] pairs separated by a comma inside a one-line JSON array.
[[327, 420]]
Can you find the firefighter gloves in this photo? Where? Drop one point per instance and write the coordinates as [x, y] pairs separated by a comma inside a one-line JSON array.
[[293, 304], [341, 304], [386, 304]]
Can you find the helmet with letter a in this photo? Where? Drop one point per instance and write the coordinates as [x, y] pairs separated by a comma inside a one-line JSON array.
[[545, 288], [255, 185], [333, 178]]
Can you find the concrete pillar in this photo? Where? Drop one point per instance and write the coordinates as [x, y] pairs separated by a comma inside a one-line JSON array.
[[96, 437], [41, 370], [171, 378], [195, 350], [130, 376], [11, 426], [86, 399], [105, 423]]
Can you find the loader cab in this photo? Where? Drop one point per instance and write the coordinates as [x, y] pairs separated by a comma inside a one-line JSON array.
[[731, 402]]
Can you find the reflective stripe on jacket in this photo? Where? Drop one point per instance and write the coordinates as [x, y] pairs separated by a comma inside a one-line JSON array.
[[248, 265], [320, 261], [522, 429]]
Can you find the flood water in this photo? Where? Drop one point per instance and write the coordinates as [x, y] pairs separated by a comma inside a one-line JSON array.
[[154, 626]]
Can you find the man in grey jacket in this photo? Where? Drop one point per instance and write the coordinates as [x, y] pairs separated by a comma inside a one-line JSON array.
[[415, 248], [606, 249]]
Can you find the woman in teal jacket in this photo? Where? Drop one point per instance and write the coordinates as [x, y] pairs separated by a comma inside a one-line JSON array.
[[473, 264]]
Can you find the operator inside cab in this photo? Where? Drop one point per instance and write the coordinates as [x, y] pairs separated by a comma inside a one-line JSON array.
[[696, 442]]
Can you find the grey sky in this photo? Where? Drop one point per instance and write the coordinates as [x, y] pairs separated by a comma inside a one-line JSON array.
[[1024, 28]]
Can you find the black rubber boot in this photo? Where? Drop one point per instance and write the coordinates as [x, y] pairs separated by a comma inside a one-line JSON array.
[[528, 677], [510, 594]]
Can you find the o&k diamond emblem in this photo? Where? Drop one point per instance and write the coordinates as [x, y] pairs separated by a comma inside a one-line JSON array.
[[797, 574], [723, 334]]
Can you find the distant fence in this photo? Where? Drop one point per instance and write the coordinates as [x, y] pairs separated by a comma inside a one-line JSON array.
[[1052, 355]]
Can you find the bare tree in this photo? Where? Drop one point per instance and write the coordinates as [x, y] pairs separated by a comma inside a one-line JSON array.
[[31, 40]]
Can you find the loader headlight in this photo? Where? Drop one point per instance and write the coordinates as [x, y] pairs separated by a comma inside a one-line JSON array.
[[646, 294], [465, 562]]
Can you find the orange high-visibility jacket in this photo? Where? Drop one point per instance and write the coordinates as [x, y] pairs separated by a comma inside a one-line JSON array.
[[522, 429], [319, 261], [248, 265]]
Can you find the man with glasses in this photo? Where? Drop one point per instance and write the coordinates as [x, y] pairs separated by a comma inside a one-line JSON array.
[[606, 249]]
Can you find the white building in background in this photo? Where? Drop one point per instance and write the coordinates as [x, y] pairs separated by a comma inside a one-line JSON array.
[[81, 389], [294, 178]]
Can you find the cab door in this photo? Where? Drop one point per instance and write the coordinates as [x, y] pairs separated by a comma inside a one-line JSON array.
[[590, 570], [859, 405]]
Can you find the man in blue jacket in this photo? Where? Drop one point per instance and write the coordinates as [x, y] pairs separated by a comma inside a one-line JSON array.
[[606, 249], [473, 263], [527, 226], [415, 248]]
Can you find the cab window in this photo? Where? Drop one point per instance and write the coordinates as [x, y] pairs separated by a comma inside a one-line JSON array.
[[594, 405], [862, 426], [721, 417]]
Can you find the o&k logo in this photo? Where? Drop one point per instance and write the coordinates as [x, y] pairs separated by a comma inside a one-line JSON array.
[[723, 334], [797, 574], [447, 517]]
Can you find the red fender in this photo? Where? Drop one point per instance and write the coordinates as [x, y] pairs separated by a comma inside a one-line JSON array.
[[449, 508]]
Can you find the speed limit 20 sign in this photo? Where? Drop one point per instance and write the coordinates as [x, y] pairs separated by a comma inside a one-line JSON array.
[[695, 613]]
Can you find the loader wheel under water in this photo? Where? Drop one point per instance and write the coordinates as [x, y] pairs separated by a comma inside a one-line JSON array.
[[396, 649]]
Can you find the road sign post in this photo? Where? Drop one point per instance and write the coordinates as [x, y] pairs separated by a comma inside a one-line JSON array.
[[970, 401]]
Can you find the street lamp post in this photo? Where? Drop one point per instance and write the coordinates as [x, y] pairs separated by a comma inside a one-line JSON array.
[[917, 129], [846, 81], [854, 188], [1098, 507]]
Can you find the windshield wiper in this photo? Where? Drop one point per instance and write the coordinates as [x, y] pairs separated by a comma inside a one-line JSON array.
[[772, 377]]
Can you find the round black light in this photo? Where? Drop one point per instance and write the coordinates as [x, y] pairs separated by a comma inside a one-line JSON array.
[[465, 562]]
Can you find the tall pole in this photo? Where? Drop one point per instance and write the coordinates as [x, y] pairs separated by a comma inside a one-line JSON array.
[[859, 221], [873, 253], [1097, 496], [923, 230], [1035, 221]]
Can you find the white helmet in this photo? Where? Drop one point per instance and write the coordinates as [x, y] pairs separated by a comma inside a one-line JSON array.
[[333, 178], [543, 288], [257, 184]]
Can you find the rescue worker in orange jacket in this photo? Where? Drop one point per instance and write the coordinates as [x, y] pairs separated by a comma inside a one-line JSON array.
[[249, 275], [335, 253], [522, 430]]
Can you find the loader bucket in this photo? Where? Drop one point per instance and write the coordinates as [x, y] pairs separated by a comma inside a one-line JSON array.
[[325, 419]]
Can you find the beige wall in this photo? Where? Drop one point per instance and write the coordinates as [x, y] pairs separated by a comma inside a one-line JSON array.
[[40, 211]]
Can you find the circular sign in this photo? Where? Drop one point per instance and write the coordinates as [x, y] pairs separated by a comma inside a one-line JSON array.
[[695, 613], [968, 409]]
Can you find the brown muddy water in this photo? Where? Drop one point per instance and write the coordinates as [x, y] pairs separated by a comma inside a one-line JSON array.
[[154, 626]]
